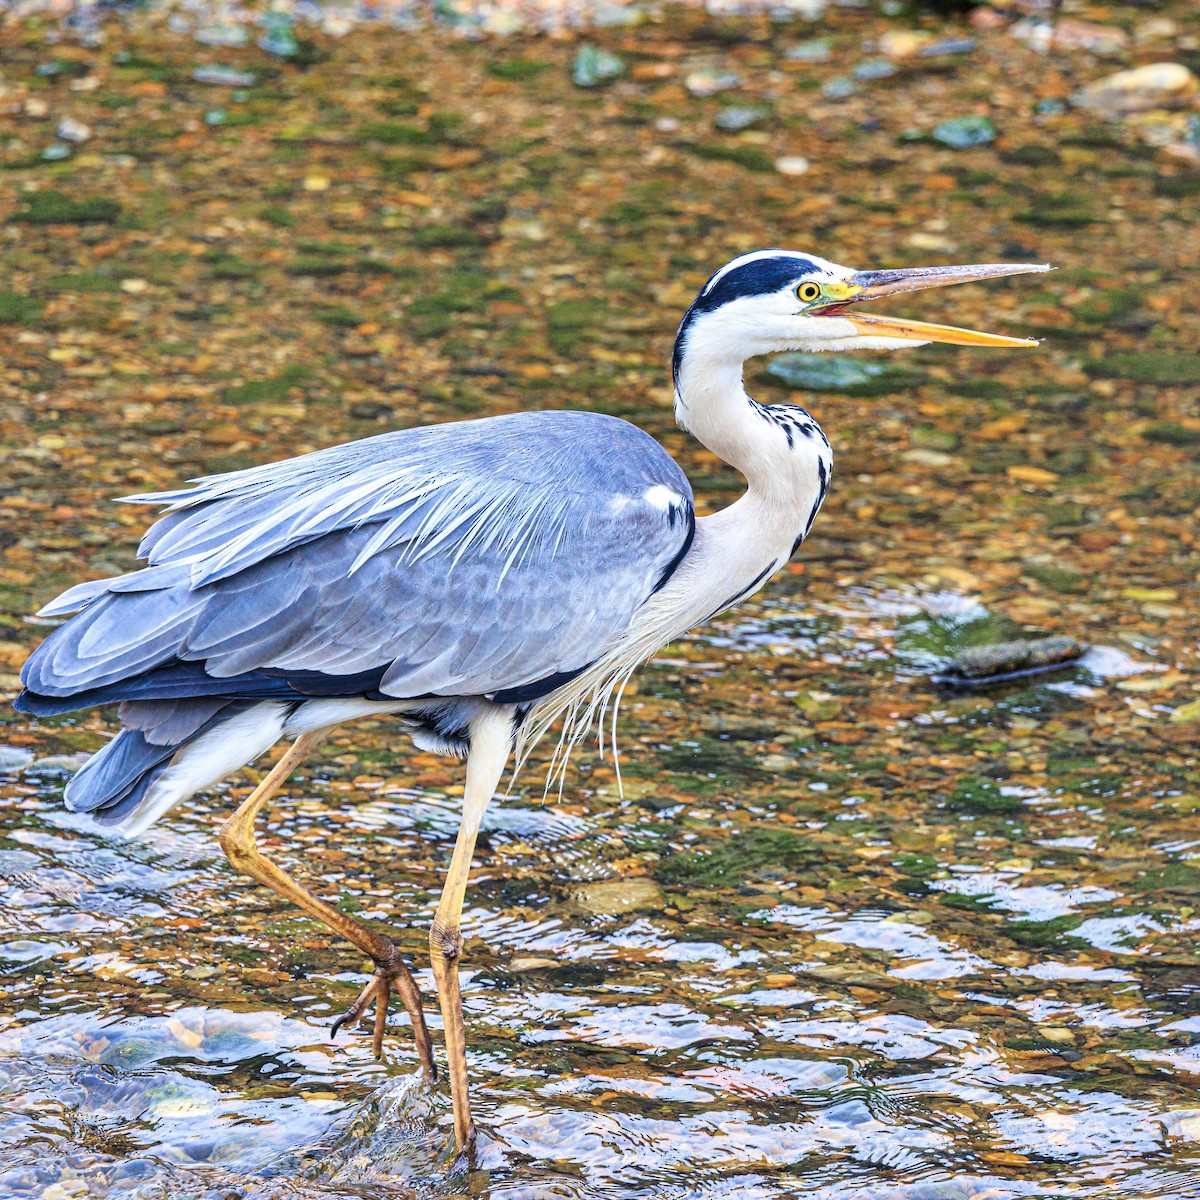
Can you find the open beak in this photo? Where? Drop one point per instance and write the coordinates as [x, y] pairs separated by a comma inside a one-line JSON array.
[[871, 285]]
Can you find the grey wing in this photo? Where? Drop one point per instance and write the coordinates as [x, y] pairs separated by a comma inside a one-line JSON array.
[[489, 557]]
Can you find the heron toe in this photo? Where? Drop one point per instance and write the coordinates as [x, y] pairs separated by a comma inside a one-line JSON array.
[[391, 974]]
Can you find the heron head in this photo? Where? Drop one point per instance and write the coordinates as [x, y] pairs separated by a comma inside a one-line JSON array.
[[775, 300]]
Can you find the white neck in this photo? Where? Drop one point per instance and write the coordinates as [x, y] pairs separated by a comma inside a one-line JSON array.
[[781, 452]]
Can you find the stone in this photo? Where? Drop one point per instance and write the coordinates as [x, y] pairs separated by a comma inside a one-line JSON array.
[[903, 43], [594, 67], [222, 35], [815, 50], [1102, 40], [838, 373], [279, 38], [839, 88], [944, 46], [962, 133], [1156, 85], [738, 117], [707, 82], [1003, 659], [873, 68], [71, 130], [611, 897], [14, 759], [219, 76], [792, 164]]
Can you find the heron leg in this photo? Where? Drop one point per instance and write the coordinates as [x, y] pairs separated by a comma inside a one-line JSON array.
[[491, 742], [237, 840]]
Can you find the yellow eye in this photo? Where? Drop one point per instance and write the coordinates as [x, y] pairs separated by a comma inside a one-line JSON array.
[[808, 292]]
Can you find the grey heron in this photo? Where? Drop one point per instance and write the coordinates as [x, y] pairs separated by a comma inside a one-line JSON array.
[[478, 580]]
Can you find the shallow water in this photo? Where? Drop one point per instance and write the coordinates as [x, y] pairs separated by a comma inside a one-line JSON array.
[[845, 933]]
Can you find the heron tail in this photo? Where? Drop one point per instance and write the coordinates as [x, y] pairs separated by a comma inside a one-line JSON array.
[[167, 751]]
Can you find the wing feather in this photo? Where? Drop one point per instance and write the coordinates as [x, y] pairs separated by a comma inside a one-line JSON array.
[[452, 560]]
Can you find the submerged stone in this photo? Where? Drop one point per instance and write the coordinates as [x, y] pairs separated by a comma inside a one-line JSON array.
[[232, 36], [738, 117], [708, 82], [839, 88], [961, 133], [611, 897], [838, 373], [594, 67], [815, 50], [999, 661], [873, 68], [1156, 85], [220, 76], [278, 38]]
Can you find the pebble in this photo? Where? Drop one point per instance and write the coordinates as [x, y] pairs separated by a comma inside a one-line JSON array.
[[232, 36], [1157, 85], [707, 82], [71, 130], [948, 46], [903, 43], [220, 76], [1102, 40], [738, 117], [610, 897], [873, 68], [56, 152], [816, 50], [523, 965], [792, 164], [839, 88], [1001, 660], [961, 133], [594, 67], [279, 40], [14, 759], [838, 373]]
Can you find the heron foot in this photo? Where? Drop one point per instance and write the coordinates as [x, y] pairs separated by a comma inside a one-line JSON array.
[[392, 975]]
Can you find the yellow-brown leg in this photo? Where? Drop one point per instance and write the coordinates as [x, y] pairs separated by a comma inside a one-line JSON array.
[[491, 741], [237, 840]]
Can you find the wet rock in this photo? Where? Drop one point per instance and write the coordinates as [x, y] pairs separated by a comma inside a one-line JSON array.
[[962, 133], [945, 46], [1157, 85], [1102, 40], [838, 373], [816, 50], [594, 67], [279, 38], [220, 76], [708, 82], [524, 965], [56, 152], [873, 68], [975, 666], [839, 88], [903, 43], [792, 164], [55, 766], [738, 117], [222, 35], [611, 897], [14, 759], [71, 130]]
